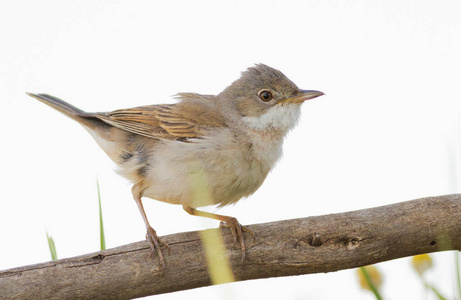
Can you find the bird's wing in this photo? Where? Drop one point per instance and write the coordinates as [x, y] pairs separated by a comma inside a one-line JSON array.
[[168, 121]]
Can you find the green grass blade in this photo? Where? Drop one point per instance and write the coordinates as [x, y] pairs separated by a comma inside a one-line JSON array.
[[101, 224], [52, 246], [436, 292], [432, 288], [372, 286], [458, 276]]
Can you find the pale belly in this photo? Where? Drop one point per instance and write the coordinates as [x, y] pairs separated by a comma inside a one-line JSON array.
[[218, 170], [191, 176]]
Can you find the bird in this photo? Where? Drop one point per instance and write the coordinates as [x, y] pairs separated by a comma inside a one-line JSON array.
[[202, 150]]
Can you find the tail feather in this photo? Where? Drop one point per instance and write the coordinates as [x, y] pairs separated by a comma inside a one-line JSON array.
[[69, 110]]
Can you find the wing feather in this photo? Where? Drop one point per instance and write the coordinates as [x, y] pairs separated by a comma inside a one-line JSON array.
[[186, 119]]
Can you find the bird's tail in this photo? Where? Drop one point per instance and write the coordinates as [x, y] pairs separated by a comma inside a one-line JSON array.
[[67, 109]]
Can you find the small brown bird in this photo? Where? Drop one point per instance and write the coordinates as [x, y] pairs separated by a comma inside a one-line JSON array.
[[203, 150]]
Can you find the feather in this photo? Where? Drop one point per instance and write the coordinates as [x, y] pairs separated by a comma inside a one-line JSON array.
[[168, 121]]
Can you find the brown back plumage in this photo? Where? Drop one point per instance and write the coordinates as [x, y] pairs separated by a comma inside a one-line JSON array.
[[187, 119]]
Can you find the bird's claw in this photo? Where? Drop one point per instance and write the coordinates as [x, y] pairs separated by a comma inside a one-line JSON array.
[[156, 244], [237, 231]]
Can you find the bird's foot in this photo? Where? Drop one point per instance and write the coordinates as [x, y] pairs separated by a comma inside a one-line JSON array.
[[237, 231], [156, 244]]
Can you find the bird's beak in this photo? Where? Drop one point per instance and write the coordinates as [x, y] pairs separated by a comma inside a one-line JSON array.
[[302, 96]]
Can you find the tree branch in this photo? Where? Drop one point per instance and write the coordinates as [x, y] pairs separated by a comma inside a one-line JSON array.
[[291, 247]]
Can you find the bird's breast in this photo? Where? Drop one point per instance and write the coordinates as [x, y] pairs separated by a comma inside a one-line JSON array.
[[217, 170]]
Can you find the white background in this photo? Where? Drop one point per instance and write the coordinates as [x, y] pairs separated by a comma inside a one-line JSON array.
[[388, 129]]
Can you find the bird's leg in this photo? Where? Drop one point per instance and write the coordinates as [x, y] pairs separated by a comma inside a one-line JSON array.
[[152, 238], [230, 222]]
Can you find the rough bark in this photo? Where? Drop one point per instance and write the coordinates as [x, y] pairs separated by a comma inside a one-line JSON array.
[[291, 247]]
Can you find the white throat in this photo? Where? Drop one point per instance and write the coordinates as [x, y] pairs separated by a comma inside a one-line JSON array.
[[281, 118]]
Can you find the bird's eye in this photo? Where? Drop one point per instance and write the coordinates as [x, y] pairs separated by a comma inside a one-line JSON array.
[[265, 95]]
